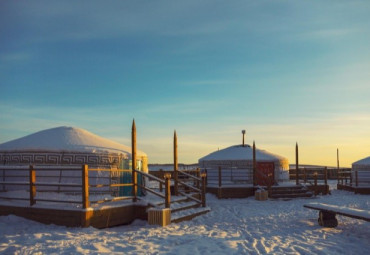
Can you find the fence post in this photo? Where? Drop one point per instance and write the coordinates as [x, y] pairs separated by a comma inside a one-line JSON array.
[[32, 176], [326, 175], [350, 177], [315, 179], [304, 175], [296, 165], [219, 177], [254, 165], [203, 176], [356, 173], [167, 178], [175, 164], [85, 186]]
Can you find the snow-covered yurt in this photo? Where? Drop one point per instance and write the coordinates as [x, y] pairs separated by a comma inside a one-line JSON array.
[[234, 159], [362, 167], [67, 147]]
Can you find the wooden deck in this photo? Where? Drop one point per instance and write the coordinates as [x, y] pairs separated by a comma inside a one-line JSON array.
[[95, 217], [365, 190], [244, 191]]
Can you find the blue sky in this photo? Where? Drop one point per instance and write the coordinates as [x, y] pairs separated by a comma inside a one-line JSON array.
[[286, 71]]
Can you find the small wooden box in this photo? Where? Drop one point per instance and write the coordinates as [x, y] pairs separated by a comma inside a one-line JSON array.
[[261, 195], [161, 217]]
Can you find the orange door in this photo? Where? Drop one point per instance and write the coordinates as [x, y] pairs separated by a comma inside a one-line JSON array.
[[265, 173]]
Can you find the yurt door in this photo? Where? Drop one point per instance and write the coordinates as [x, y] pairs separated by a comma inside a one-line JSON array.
[[265, 173]]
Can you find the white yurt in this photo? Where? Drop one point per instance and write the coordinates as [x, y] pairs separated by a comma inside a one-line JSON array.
[[241, 157], [67, 147], [362, 167]]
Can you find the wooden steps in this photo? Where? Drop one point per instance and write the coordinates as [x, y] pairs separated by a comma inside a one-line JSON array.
[[290, 192]]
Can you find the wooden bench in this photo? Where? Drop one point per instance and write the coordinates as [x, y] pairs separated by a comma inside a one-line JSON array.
[[327, 213]]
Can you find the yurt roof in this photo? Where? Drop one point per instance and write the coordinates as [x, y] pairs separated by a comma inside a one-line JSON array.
[[66, 139], [364, 161], [240, 152]]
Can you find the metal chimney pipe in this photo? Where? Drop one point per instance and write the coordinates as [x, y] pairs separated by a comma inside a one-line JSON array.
[[243, 132]]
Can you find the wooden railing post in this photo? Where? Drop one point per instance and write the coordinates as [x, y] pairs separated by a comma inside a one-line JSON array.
[[167, 178], [356, 174], [326, 175], [219, 177], [350, 178], [203, 176], [198, 176], [205, 170], [304, 175], [162, 177], [85, 187], [32, 176]]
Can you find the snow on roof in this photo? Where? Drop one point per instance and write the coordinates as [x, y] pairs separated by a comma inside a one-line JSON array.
[[66, 139], [240, 152], [364, 161]]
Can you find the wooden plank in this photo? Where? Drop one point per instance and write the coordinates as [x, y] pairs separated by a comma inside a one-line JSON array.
[[341, 210]]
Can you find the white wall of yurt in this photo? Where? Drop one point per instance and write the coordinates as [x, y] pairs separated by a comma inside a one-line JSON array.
[[361, 170]]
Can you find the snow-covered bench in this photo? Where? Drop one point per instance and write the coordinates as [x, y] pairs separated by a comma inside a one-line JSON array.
[[327, 213]]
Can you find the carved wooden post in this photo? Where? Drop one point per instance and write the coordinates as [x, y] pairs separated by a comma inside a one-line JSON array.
[[254, 165], [296, 165], [133, 160], [32, 176], [85, 187], [175, 163], [167, 178], [203, 176]]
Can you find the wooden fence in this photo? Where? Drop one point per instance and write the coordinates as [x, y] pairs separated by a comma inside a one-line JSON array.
[[354, 178], [30, 182]]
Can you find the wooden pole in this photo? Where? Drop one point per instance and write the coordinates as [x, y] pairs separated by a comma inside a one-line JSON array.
[[337, 161], [356, 173], [254, 165], [296, 165], [85, 187], [203, 176], [133, 160], [167, 178], [175, 163], [315, 180], [32, 176]]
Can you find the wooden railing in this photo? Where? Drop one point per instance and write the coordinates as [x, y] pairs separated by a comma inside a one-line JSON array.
[[354, 178], [228, 176], [188, 181], [31, 183]]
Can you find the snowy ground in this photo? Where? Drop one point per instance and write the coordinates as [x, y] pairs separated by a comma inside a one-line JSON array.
[[234, 226]]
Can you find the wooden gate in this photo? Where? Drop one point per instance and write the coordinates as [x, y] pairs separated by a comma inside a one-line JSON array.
[[265, 173]]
